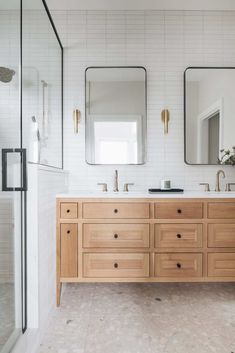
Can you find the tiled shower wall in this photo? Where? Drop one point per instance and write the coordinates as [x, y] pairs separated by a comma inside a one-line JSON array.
[[165, 43]]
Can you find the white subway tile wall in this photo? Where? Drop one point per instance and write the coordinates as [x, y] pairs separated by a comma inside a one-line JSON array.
[[165, 42]]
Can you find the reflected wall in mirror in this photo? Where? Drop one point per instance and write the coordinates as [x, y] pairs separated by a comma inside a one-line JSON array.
[[209, 115], [115, 115]]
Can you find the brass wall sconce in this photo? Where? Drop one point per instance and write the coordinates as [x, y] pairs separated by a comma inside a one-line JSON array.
[[165, 115], [76, 119]]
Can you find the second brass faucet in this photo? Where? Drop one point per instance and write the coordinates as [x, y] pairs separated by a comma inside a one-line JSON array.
[[115, 189], [217, 184]]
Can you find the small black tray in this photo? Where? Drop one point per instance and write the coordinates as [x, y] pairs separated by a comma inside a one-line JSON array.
[[166, 191]]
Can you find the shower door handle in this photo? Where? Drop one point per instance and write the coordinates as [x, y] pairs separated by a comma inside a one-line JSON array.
[[23, 169]]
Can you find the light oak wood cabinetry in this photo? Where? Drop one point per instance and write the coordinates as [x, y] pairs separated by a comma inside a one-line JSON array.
[[221, 264], [179, 210], [68, 210], [115, 210], [68, 250], [178, 235], [145, 240], [221, 235], [115, 235], [178, 265], [114, 265], [221, 210]]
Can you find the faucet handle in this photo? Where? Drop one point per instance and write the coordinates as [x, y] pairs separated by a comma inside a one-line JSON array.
[[126, 186], [228, 186], [207, 186], [105, 186]]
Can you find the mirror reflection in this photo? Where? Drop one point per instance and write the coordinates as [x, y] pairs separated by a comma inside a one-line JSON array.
[[210, 115], [115, 115]]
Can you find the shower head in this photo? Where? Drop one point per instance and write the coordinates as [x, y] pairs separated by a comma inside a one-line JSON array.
[[6, 74]]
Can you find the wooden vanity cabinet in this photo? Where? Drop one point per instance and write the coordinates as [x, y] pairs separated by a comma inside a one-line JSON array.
[[145, 240], [69, 250]]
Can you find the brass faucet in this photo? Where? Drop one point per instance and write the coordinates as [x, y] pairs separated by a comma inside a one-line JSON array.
[[115, 189], [217, 185]]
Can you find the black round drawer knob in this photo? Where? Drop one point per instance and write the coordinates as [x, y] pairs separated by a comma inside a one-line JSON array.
[[179, 210], [115, 211], [115, 265], [179, 236], [115, 236], [68, 231], [68, 211], [178, 265]]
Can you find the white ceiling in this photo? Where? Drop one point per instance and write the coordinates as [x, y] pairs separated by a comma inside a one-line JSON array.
[[141, 4]]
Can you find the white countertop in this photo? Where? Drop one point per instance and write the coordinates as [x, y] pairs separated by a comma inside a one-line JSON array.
[[132, 195]]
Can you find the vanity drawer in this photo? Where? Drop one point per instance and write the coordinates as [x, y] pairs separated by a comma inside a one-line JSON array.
[[116, 235], [178, 235], [178, 210], [108, 265], [178, 265], [115, 210], [68, 210], [221, 265], [221, 210], [68, 250], [221, 235]]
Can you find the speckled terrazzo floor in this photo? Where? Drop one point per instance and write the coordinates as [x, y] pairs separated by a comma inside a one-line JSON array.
[[143, 318], [7, 312]]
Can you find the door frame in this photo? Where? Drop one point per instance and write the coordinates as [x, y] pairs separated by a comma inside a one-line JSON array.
[[203, 125]]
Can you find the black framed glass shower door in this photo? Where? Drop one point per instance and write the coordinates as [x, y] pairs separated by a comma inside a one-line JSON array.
[[13, 181]]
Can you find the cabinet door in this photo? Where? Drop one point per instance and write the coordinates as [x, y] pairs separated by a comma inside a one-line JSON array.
[[178, 235], [178, 210], [68, 210], [178, 265], [69, 250], [221, 235], [222, 210], [113, 265], [221, 265], [116, 235], [115, 210]]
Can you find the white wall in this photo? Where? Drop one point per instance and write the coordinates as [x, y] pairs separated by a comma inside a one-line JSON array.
[[165, 43], [117, 98]]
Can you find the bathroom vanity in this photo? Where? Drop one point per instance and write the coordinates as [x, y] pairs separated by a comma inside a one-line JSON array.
[[144, 238]]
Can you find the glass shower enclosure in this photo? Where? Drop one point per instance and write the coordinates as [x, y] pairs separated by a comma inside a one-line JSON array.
[[31, 61]]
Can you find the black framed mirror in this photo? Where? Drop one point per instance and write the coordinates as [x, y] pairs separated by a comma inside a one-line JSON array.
[[116, 115], [209, 115]]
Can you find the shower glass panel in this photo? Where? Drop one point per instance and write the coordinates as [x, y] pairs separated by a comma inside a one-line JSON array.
[[11, 202], [31, 58], [42, 87]]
